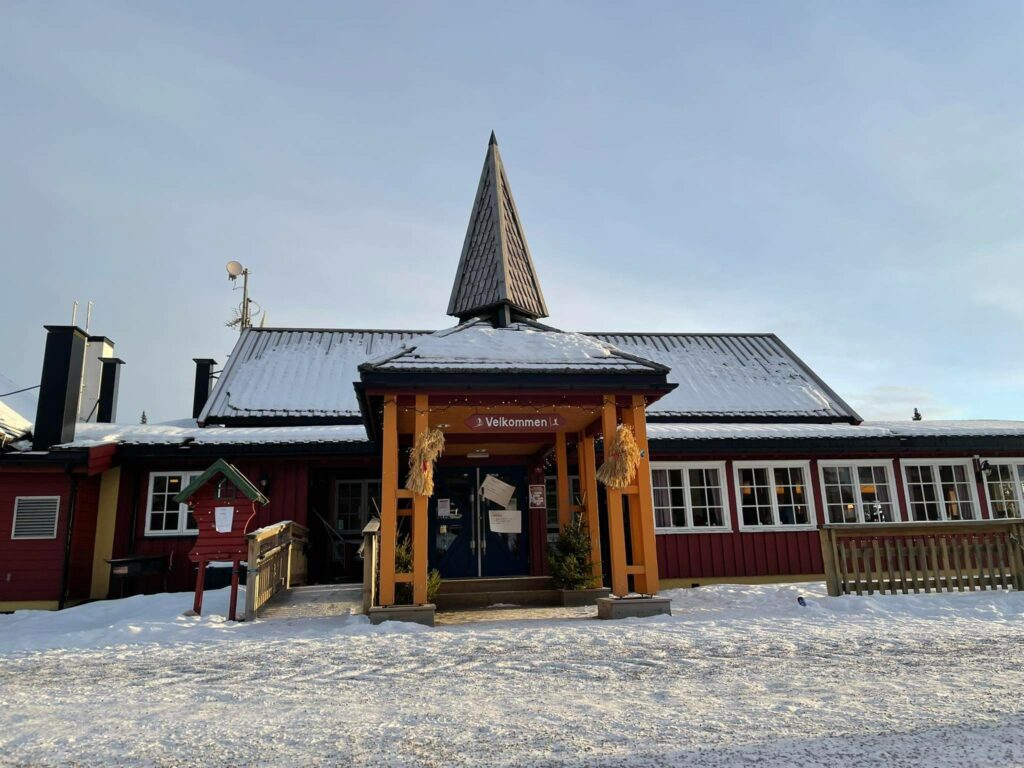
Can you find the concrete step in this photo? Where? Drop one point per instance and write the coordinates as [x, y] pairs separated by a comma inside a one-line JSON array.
[[509, 584], [532, 597]]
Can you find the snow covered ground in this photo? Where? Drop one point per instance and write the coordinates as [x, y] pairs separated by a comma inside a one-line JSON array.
[[740, 675]]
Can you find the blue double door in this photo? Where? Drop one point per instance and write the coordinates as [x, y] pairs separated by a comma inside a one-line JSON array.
[[466, 539]]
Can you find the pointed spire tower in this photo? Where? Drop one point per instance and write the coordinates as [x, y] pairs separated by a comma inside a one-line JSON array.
[[496, 276]]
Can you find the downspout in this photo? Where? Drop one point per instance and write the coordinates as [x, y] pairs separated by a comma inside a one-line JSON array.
[[66, 568]]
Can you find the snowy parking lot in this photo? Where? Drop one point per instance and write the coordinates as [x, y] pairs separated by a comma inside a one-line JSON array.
[[740, 675]]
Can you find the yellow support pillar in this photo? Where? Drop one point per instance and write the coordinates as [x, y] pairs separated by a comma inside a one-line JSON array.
[[388, 501], [588, 489], [106, 520], [562, 481], [419, 516], [616, 534], [643, 528]]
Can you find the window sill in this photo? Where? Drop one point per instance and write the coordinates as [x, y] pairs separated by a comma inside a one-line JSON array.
[[170, 534], [674, 531], [777, 528]]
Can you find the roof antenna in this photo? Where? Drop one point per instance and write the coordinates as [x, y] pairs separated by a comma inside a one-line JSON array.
[[917, 415], [88, 317], [74, 313]]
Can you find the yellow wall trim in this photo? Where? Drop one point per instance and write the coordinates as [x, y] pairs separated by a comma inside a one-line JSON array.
[[701, 581], [106, 520], [28, 605]]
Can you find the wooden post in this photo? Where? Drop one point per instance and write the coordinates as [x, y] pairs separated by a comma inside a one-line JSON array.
[[562, 481], [232, 608], [197, 604], [419, 519], [588, 487], [648, 581], [389, 501], [616, 534], [828, 558]]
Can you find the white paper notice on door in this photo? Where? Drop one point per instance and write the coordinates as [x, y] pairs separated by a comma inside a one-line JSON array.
[[444, 507], [223, 519], [506, 521], [497, 491]]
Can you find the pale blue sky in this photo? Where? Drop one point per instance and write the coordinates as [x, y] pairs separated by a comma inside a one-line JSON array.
[[848, 175]]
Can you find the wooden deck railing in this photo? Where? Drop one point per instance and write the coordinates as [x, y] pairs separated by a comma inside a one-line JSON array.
[[370, 552], [277, 561], [931, 557]]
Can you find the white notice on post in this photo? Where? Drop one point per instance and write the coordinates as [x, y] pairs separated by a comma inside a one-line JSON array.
[[444, 507], [223, 519], [506, 521]]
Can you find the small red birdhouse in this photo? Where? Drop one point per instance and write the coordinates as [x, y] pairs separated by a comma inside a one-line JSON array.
[[223, 502]]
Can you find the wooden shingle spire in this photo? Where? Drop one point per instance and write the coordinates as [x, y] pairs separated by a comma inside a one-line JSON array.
[[496, 274]]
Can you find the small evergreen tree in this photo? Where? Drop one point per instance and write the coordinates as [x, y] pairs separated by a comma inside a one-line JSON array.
[[403, 564], [569, 557]]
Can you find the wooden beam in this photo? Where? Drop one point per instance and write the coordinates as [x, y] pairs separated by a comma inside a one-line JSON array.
[[388, 501], [648, 583], [588, 487], [616, 534], [419, 520], [562, 481]]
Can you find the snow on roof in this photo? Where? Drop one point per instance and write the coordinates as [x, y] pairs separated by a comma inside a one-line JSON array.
[[310, 372], [868, 429], [298, 373], [733, 375], [478, 346], [186, 430], [16, 411]]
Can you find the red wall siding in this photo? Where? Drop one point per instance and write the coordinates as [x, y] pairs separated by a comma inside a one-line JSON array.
[[739, 554], [31, 569], [288, 494]]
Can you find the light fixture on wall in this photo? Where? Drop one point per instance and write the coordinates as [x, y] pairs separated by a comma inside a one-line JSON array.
[[981, 467], [264, 482], [479, 453]]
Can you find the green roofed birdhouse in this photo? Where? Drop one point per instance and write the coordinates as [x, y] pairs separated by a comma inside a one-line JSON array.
[[223, 502]]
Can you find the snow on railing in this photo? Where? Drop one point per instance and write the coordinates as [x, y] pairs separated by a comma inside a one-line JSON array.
[[924, 556], [277, 561]]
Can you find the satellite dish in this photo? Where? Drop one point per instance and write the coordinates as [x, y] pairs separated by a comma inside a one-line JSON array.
[[234, 269]]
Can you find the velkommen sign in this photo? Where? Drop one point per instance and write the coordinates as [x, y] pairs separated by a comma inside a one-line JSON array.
[[516, 422]]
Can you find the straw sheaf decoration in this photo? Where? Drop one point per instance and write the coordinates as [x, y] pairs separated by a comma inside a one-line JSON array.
[[623, 459], [428, 447]]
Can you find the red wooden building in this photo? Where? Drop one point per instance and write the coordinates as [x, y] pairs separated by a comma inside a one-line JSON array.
[[749, 450]]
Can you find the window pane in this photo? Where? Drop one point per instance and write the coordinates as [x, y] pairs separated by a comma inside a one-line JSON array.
[[1003, 487], [755, 496]]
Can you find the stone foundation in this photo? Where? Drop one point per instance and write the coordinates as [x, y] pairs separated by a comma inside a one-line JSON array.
[[633, 607]]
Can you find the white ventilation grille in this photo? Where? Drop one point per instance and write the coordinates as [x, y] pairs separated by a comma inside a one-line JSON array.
[[35, 517]]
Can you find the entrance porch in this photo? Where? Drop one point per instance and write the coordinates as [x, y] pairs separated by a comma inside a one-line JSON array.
[[520, 440]]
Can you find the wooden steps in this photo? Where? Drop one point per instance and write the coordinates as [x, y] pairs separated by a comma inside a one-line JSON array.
[[458, 594]]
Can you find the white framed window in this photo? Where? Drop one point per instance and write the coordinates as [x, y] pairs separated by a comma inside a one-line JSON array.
[[858, 492], [1005, 488], [774, 495], [940, 489], [164, 516], [551, 500], [355, 501], [35, 517], [689, 497]]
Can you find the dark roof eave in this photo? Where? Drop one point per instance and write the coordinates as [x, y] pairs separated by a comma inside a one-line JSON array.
[[654, 383], [896, 446]]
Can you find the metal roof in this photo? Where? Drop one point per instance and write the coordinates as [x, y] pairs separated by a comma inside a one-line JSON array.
[[276, 373], [734, 375], [522, 347], [495, 267]]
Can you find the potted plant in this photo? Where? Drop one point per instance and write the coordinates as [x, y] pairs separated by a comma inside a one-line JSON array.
[[572, 567]]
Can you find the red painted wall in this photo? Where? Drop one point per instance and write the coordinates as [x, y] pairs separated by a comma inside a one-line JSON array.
[[31, 569], [288, 494]]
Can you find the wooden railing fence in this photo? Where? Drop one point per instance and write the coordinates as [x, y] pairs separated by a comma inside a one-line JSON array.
[[891, 558], [370, 552], [277, 561]]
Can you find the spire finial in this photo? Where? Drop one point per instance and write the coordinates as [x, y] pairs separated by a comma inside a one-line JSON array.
[[494, 140]]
